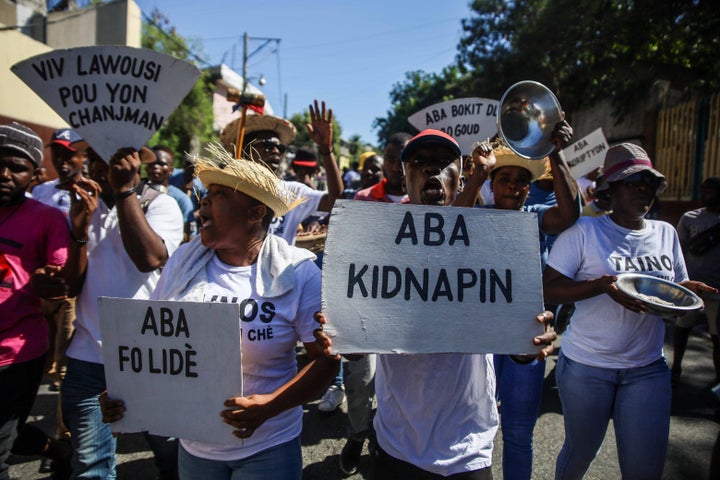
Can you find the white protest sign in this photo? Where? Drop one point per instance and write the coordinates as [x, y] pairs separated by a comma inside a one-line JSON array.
[[586, 154], [431, 279], [467, 120], [173, 364], [113, 96]]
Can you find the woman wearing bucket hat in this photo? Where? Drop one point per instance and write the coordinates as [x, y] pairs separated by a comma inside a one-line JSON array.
[[234, 256], [612, 364]]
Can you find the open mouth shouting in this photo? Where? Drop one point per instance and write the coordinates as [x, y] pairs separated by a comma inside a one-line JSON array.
[[433, 192]]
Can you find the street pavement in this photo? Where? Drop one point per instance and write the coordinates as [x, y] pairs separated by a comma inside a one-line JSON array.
[[694, 428]]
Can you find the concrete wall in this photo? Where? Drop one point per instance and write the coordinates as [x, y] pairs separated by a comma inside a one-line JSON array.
[[17, 101], [113, 23]]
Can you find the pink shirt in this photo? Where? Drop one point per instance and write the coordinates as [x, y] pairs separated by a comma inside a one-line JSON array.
[[32, 235]]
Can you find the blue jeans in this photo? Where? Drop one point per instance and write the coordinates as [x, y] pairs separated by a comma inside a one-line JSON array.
[[520, 392], [637, 399], [281, 461], [92, 440]]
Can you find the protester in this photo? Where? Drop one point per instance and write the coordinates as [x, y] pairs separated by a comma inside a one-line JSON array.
[[511, 180], [69, 154], [360, 373], [305, 167], [123, 233], [158, 177], [611, 364], [371, 171], [236, 257], [699, 234], [351, 178], [32, 235], [186, 181], [436, 413], [600, 203], [266, 139]]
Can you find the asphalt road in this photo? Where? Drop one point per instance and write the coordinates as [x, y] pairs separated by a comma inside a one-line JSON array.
[[694, 428]]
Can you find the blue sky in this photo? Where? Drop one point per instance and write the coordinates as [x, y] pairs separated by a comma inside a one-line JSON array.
[[347, 53]]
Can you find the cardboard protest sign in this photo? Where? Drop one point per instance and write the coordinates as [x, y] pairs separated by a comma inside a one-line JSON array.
[[467, 120], [113, 96], [431, 279], [173, 364], [586, 154]]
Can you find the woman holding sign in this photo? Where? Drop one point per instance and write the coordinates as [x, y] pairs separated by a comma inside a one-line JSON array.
[[278, 288]]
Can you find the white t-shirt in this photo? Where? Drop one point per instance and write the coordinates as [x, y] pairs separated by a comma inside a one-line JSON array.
[[602, 333], [55, 197], [270, 330], [111, 273], [286, 226], [437, 411]]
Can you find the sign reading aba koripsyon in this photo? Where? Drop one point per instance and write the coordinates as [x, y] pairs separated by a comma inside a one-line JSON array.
[[467, 120], [586, 154], [113, 96], [431, 279], [173, 364]]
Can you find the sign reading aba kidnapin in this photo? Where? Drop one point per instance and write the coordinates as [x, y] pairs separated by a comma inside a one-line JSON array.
[[431, 279], [113, 96]]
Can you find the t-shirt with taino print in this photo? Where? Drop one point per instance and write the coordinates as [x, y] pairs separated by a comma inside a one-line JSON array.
[[603, 333], [270, 328]]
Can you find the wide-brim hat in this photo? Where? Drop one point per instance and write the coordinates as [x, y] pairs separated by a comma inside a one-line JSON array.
[[426, 137], [507, 158], [284, 129], [252, 178], [624, 160]]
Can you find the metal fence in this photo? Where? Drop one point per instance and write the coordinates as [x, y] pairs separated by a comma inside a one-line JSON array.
[[688, 146]]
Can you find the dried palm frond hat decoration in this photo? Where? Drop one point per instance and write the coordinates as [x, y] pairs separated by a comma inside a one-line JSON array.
[[251, 178]]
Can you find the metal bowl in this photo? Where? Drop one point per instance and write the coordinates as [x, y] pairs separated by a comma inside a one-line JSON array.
[[662, 297], [526, 119]]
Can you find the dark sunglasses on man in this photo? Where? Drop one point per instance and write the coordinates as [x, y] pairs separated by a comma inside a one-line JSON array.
[[268, 145]]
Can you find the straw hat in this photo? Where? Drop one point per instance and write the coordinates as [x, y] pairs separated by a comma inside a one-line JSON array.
[[507, 158], [251, 178], [258, 123]]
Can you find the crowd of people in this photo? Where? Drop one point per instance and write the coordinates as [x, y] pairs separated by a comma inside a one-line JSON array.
[[226, 224]]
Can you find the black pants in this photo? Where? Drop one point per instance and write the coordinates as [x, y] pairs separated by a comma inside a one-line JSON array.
[[386, 467], [19, 383]]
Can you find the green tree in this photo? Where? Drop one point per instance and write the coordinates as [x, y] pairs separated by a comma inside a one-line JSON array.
[[622, 50], [190, 125], [302, 139], [419, 90]]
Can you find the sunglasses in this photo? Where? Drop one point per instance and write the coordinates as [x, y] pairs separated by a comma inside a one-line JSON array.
[[268, 145], [642, 178]]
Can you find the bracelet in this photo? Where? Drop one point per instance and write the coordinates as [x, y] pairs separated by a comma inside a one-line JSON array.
[[126, 193], [324, 154], [78, 241]]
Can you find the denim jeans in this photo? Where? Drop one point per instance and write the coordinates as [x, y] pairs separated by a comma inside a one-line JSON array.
[[360, 390], [520, 392], [282, 461], [92, 440], [637, 399], [19, 384]]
